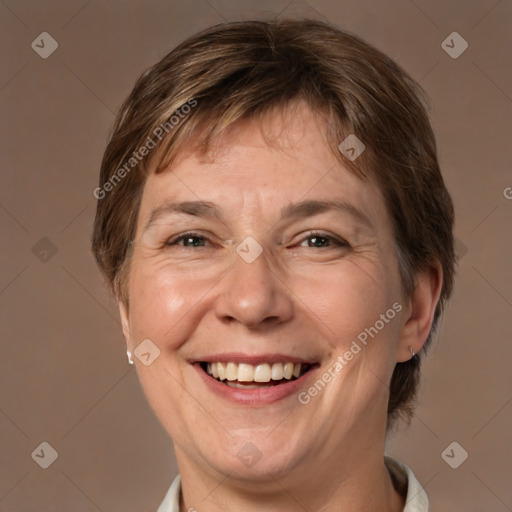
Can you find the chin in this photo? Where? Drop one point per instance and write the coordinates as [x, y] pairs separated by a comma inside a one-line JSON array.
[[256, 459]]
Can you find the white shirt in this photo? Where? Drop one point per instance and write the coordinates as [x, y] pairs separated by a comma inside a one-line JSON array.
[[416, 500]]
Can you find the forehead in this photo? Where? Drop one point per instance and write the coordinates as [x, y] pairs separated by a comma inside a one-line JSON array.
[[256, 165]]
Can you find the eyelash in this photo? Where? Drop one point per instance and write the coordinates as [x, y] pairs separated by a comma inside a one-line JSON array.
[[192, 234]]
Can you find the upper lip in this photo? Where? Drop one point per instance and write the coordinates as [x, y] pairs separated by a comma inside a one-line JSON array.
[[237, 357]]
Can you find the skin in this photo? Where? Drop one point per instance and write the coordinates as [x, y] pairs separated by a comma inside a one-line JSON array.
[[305, 296]]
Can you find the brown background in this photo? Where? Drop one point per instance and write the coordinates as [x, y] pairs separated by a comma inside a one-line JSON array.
[[64, 374]]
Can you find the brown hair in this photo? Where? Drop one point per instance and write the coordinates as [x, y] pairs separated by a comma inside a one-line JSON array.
[[239, 71]]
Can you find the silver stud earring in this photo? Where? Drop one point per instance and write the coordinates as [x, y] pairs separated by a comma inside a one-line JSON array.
[[130, 360], [412, 353]]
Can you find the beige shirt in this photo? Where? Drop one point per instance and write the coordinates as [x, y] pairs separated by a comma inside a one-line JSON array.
[[416, 500]]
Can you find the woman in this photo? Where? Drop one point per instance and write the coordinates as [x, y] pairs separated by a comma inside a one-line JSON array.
[[273, 222]]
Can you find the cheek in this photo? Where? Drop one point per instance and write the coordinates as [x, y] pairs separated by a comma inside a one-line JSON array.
[[167, 302], [159, 302], [162, 307], [344, 302]]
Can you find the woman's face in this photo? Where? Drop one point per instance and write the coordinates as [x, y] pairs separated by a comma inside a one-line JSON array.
[[261, 256]]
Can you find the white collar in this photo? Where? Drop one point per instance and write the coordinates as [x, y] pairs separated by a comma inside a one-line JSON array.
[[416, 500]]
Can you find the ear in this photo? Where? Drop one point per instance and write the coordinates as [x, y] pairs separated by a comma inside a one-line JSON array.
[[422, 306], [125, 321]]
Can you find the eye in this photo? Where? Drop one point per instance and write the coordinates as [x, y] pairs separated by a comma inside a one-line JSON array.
[[190, 239], [321, 240]]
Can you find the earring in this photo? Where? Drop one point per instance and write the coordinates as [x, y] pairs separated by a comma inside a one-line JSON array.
[[130, 360], [412, 352]]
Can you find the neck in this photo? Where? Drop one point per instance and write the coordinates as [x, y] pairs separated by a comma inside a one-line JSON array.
[[354, 496], [348, 480]]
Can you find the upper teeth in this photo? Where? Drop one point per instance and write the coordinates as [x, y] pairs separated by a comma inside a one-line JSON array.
[[254, 373]]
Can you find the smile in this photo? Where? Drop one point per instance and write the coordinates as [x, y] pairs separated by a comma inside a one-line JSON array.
[[248, 376]]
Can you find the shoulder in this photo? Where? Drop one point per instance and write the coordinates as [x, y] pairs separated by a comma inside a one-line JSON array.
[[405, 482], [171, 502]]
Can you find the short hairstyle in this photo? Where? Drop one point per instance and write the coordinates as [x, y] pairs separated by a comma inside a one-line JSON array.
[[240, 71]]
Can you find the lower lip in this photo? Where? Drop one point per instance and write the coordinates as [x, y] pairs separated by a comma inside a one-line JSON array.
[[254, 396]]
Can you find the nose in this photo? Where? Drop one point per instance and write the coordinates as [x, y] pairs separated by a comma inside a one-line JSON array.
[[253, 295]]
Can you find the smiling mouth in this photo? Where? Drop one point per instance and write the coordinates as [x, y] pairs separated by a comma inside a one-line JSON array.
[[248, 376]]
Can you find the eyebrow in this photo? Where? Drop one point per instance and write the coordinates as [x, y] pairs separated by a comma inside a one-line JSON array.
[[192, 208], [302, 209], [314, 207]]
